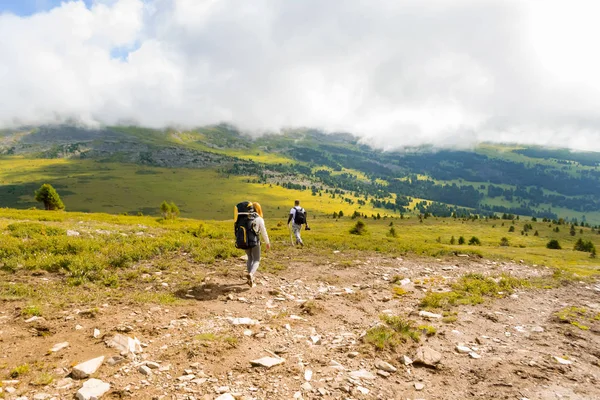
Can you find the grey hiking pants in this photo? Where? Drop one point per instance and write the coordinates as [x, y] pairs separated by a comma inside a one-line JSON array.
[[296, 229], [253, 259]]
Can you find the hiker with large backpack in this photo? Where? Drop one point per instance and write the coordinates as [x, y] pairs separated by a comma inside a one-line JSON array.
[[249, 228], [298, 217]]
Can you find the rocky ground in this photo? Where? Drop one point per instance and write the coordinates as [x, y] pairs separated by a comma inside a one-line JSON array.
[[306, 323]]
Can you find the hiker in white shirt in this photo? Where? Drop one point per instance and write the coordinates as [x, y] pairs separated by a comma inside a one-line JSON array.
[[298, 217], [254, 253]]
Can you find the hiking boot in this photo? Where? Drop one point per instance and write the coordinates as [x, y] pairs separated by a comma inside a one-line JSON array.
[[251, 281]]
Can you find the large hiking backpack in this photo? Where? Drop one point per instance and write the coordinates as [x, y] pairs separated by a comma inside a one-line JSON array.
[[246, 235], [299, 216]]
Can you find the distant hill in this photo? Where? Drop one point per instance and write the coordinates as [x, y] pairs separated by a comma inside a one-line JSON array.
[[510, 179]]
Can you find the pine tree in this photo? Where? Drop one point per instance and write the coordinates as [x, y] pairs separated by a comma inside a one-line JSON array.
[[47, 194]]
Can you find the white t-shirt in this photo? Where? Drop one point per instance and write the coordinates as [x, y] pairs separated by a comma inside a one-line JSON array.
[[293, 212], [259, 225]]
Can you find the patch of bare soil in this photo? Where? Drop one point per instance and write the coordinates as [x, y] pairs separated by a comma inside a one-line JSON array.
[[310, 318]]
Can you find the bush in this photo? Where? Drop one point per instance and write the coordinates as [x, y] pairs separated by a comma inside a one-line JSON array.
[[511, 229], [474, 241], [169, 210], [584, 245], [47, 194], [504, 242], [392, 232], [461, 240], [452, 240], [553, 244], [359, 229]]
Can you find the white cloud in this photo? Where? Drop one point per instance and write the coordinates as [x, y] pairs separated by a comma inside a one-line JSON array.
[[397, 72]]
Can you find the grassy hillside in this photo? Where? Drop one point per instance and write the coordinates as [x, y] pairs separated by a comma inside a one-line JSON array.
[[117, 188], [129, 169]]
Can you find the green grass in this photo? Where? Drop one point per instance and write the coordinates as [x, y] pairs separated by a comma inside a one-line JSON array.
[[579, 317], [473, 289], [19, 371], [393, 332], [31, 311]]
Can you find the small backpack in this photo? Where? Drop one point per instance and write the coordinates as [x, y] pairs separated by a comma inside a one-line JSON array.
[[246, 235], [299, 216]]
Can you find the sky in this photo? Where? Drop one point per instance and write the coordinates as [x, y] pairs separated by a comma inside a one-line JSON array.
[[395, 72]]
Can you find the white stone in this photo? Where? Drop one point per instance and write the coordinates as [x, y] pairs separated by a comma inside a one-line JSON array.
[[92, 389], [267, 362], [363, 390], [384, 366], [152, 365], [243, 321], [65, 384], [144, 370], [429, 315], [42, 396], [85, 369], [186, 378], [96, 333], [33, 319], [226, 396], [222, 389], [419, 386], [362, 374], [474, 355], [316, 339], [404, 282], [125, 344], [563, 361], [308, 375], [406, 360], [306, 386], [463, 349], [10, 390], [385, 374], [59, 346], [72, 233]]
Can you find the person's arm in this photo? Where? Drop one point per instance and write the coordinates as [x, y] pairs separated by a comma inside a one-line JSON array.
[[264, 234], [306, 218], [290, 216]]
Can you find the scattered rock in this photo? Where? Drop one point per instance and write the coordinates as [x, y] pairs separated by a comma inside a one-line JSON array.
[[429, 315], [385, 374], [59, 346], [308, 375], [115, 360], [306, 386], [152, 365], [427, 356], [363, 390], [96, 333], [267, 362], [125, 344], [144, 370], [463, 349], [85, 369], [384, 366], [563, 361], [226, 396], [419, 386], [72, 233], [474, 355], [92, 389], [406, 360], [242, 321], [65, 384], [362, 374]]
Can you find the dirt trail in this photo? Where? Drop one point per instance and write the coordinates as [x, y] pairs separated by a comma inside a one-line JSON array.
[[200, 354]]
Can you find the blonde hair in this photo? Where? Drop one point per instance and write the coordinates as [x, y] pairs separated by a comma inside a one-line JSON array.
[[258, 209]]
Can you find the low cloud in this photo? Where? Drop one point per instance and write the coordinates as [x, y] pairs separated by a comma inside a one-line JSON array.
[[395, 72]]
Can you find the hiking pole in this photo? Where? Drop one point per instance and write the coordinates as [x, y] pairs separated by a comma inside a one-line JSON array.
[[291, 235]]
